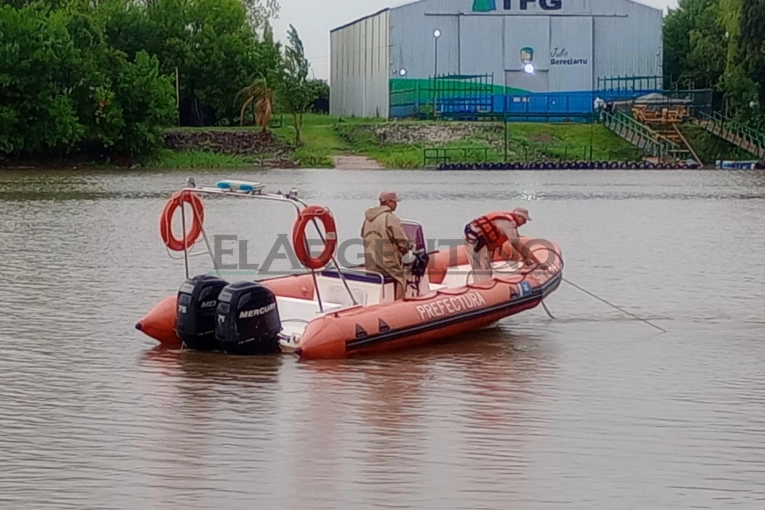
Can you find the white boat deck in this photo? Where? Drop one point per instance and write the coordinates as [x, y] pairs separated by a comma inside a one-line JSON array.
[[368, 290]]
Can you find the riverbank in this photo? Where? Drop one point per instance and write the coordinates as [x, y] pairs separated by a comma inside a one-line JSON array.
[[330, 142]]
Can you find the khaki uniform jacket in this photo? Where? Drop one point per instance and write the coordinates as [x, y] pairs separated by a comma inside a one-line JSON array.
[[385, 243]]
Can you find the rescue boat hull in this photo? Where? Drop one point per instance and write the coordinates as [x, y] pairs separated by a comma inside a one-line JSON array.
[[420, 322], [360, 330]]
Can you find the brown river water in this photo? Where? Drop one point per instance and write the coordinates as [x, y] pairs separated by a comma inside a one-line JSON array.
[[592, 410]]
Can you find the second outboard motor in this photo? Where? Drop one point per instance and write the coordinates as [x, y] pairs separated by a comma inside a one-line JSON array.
[[248, 320], [195, 315]]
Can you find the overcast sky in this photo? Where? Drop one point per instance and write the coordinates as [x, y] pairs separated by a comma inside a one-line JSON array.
[[313, 20]]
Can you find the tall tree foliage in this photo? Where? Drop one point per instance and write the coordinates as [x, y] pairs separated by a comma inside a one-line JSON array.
[[719, 43], [63, 87], [752, 43], [298, 94], [209, 43], [101, 76], [694, 43]]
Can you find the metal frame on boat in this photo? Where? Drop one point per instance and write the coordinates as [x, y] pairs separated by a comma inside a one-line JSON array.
[[310, 315], [254, 190]]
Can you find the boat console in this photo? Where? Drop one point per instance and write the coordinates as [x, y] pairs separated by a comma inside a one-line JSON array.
[[368, 287]]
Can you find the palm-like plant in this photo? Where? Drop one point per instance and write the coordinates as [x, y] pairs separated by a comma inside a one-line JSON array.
[[260, 97]]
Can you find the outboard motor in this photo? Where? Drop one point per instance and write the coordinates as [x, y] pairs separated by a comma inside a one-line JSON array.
[[248, 320], [195, 315]]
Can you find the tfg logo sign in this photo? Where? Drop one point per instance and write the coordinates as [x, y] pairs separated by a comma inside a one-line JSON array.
[[521, 5]]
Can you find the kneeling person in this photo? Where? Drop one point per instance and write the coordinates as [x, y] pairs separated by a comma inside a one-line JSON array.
[[486, 235]]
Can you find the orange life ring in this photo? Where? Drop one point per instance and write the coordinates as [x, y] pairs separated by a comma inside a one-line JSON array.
[[166, 220], [299, 242]]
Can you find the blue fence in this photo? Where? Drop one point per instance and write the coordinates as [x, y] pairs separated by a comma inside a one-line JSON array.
[[542, 107]]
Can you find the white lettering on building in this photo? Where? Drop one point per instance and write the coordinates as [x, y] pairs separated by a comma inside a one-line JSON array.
[[450, 305]]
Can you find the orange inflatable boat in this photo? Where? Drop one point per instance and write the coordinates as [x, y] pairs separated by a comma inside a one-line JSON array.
[[333, 312]]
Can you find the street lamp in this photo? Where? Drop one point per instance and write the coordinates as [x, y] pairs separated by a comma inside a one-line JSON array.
[[402, 72], [436, 35]]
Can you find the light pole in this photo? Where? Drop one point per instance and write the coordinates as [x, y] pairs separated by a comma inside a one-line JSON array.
[[436, 35]]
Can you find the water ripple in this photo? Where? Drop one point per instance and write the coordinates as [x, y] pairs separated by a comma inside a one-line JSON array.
[[593, 410]]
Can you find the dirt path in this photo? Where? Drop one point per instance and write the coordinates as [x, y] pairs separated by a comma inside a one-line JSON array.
[[356, 163]]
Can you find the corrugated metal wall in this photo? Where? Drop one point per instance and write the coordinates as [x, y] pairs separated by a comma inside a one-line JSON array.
[[413, 44], [570, 51], [572, 47], [584, 40], [527, 32], [630, 46], [360, 68]]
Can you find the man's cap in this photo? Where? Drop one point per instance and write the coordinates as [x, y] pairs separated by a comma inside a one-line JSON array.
[[524, 213], [389, 196]]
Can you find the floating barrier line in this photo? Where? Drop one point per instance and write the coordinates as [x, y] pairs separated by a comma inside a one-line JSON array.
[[569, 165]]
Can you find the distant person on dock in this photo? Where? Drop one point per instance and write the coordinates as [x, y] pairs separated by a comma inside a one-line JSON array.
[[385, 241], [486, 235]]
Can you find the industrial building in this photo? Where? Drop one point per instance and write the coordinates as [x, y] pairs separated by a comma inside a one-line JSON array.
[[492, 56]]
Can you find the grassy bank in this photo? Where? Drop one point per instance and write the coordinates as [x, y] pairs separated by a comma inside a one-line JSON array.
[[486, 142], [401, 144], [174, 160]]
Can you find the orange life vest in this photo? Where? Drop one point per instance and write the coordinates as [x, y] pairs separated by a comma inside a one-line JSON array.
[[494, 237]]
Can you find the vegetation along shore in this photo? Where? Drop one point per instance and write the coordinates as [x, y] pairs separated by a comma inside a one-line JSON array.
[[205, 84]]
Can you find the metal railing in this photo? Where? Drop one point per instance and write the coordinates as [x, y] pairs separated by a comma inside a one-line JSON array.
[[561, 153], [436, 156], [642, 136], [720, 125], [253, 191]]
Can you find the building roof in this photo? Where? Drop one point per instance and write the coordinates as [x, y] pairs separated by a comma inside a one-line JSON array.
[[360, 19], [643, 4], [638, 2]]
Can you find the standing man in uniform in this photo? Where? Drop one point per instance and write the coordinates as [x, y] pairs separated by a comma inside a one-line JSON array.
[[487, 234], [385, 241]]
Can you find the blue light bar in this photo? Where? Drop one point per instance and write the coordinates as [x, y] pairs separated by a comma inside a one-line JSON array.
[[245, 186]]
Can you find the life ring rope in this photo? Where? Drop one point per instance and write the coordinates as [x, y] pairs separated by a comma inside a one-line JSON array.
[[300, 244], [179, 199]]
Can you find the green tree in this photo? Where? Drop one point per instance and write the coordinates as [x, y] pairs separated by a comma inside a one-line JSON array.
[[694, 43], [147, 101], [321, 92], [752, 43], [297, 93], [212, 45], [99, 77], [720, 43], [39, 68], [260, 11]]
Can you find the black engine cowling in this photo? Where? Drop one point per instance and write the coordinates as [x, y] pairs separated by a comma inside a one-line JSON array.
[[195, 315], [248, 320]]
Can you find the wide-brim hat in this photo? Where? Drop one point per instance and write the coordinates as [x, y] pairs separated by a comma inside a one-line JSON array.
[[389, 196], [523, 213]]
